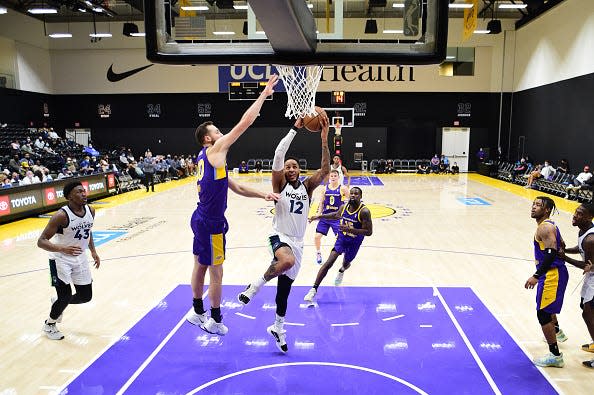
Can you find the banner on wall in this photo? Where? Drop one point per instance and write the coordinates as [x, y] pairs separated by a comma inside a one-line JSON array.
[[470, 17]]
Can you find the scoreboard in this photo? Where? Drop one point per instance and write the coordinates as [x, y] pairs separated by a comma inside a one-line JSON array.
[[246, 90]]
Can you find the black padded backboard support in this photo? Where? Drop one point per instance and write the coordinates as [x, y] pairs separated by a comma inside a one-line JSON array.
[[292, 43]]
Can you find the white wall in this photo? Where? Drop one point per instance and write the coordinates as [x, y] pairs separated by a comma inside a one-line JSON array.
[[34, 71], [8, 57], [557, 46]]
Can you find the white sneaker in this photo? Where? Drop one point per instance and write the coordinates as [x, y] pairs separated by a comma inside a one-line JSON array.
[[248, 294], [280, 337], [310, 295], [52, 332], [196, 319], [216, 328], [319, 258], [53, 300], [338, 279], [550, 360]]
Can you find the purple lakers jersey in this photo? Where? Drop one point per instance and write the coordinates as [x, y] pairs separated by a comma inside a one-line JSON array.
[[212, 188], [332, 200], [352, 220], [539, 249]]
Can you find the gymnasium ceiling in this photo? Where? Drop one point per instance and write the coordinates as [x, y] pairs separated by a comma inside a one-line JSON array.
[[132, 10]]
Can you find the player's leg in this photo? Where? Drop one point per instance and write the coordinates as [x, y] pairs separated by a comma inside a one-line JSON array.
[[588, 316], [82, 281], [321, 230], [60, 276], [277, 330], [198, 315], [309, 297], [283, 260], [350, 252]]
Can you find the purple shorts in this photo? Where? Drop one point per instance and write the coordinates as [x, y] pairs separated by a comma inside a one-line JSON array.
[[550, 290], [209, 239], [347, 246], [325, 224]]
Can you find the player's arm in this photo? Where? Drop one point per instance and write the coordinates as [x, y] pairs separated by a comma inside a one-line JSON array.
[[588, 246], [572, 250], [344, 192], [366, 225], [246, 191], [94, 255], [58, 220], [548, 235], [346, 175], [278, 163], [331, 215], [222, 144], [322, 173], [321, 198]]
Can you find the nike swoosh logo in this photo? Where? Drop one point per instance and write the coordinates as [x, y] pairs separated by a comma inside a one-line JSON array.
[[115, 77]]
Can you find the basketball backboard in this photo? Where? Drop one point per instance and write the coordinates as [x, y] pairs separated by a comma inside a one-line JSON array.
[[296, 32]]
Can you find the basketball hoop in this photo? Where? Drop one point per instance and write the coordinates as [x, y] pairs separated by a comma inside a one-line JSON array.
[[301, 83], [337, 128]]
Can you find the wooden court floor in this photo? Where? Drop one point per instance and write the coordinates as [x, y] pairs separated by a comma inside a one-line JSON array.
[[426, 233]]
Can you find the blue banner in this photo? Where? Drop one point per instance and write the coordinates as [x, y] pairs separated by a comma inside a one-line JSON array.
[[238, 73]]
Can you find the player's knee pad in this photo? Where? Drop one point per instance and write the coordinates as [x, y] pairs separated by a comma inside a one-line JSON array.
[[544, 317]]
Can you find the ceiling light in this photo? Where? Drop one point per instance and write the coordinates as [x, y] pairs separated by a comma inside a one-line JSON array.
[[240, 7], [97, 9], [309, 5], [100, 35], [195, 8], [42, 11], [140, 34], [513, 6], [389, 31], [3, 10], [398, 5], [450, 57], [461, 5], [225, 33], [482, 32], [60, 35]]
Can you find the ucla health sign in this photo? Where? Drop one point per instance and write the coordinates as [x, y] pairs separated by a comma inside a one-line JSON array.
[[239, 73]]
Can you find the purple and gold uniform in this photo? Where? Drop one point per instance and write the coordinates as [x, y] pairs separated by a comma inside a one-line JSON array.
[[349, 243], [332, 202], [552, 284], [208, 220]]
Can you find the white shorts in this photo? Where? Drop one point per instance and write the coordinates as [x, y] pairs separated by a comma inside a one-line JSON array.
[[71, 272], [588, 287], [296, 246]]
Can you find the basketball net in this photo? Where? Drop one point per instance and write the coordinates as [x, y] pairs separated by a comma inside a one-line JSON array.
[[337, 128], [301, 83]]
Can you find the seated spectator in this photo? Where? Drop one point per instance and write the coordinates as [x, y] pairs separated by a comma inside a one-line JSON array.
[[533, 175], [53, 135], [455, 168], [5, 181], [71, 166], [444, 164], [435, 164], [579, 182], [94, 164], [520, 168], [389, 166], [104, 164], [14, 164], [563, 166], [243, 168], [258, 167], [84, 167], [124, 159], [381, 167], [39, 144], [15, 145], [135, 171], [90, 151], [423, 169], [29, 179], [27, 159], [15, 179]]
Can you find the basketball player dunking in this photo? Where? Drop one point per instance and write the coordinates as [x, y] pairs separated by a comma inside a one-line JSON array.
[[550, 279], [289, 224], [331, 198], [208, 220], [355, 224], [582, 218]]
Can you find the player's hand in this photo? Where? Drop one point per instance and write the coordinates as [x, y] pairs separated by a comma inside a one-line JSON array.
[[299, 123], [531, 282], [71, 250], [344, 228], [325, 123], [588, 267], [271, 196], [313, 218], [269, 90], [96, 260]]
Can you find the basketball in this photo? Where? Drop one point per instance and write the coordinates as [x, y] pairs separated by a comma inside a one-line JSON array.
[[312, 122]]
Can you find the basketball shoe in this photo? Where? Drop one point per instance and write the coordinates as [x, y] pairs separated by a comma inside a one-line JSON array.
[[588, 347], [216, 328], [247, 295], [309, 297], [52, 332], [196, 319], [338, 279], [588, 364], [550, 360], [280, 337], [561, 337]]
